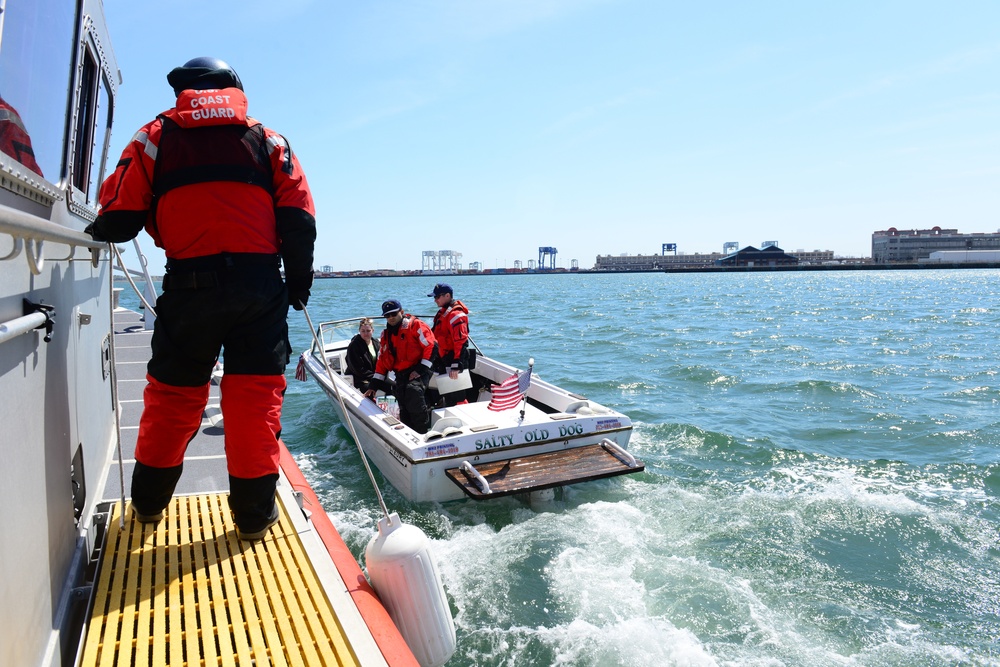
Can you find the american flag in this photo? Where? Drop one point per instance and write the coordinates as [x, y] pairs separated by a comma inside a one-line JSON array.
[[508, 394], [300, 370]]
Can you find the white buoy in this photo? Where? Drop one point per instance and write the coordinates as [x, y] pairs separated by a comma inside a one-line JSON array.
[[403, 573]]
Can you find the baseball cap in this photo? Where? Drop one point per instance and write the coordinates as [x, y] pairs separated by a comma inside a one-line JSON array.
[[391, 306], [440, 289]]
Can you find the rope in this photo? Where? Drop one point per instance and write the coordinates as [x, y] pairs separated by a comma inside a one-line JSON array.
[[114, 390], [343, 409]]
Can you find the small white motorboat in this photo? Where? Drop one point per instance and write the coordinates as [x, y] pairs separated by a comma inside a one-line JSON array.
[[551, 438]]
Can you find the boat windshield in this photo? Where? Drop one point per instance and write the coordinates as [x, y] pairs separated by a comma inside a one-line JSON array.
[[340, 332]]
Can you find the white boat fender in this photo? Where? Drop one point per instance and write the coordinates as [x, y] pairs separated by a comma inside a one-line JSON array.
[[403, 573], [217, 372], [213, 414]]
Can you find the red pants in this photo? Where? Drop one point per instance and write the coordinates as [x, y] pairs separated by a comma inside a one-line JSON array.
[[218, 303], [251, 408]]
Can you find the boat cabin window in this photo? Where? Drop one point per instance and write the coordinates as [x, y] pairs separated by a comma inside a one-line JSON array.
[[84, 133], [93, 126], [36, 56]]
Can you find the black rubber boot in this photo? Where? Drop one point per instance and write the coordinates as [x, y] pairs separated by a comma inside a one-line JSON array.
[[253, 505], [152, 488]]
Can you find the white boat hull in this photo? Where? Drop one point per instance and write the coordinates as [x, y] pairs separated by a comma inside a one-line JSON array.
[[416, 464]]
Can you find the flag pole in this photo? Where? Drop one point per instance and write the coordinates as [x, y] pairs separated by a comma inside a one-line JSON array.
[[524, 399]]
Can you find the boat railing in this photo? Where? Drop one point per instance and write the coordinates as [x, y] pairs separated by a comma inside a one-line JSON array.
[[29, 233], [148, 295], [40, 318]]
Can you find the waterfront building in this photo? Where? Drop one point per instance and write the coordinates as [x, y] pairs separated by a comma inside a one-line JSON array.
[[893, 245], [698, 260], [626, 262], [750, 256], [963, 257], [813, 256]]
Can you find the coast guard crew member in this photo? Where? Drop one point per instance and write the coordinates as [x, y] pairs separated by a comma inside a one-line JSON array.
[[408, 349], [451, 330], [227, 200]]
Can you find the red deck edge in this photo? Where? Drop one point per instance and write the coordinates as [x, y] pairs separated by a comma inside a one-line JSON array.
[[387, 637]]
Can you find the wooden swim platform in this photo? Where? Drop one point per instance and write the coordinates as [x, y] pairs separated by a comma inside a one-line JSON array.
[[543, 471]]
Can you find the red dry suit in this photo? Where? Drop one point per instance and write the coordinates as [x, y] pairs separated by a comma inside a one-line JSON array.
[[257, 202], [227, 200], [407, 348], [412, 345], [451, 330]]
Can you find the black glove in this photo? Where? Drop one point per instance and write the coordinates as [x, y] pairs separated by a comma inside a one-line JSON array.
[[298, 300], [443, 362], [90, 229]]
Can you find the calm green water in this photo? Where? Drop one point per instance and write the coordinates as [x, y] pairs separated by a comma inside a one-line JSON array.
[[822, 481]]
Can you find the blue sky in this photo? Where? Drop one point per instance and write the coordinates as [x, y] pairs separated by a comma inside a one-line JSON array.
[[493, 127]]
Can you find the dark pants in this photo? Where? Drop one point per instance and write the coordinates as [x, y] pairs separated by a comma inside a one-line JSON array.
[[454, 398], [411, 395], [243, 310]]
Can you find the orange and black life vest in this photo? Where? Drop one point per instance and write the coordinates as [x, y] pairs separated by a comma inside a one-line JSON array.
[[186, 156]]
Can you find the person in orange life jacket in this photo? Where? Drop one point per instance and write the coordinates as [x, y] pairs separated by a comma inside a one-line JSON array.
[[228, 202], [451, 330], [408, 349]]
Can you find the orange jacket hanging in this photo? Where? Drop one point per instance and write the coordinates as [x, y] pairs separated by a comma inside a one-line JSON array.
[[14, 139]]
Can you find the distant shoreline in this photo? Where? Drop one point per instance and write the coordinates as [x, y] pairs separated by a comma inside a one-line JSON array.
[[706, 269]]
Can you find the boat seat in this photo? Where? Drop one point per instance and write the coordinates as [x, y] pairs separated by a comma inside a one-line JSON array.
[[444, 426], [579, 408]]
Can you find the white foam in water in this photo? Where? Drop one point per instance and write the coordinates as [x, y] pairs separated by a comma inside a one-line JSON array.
[[643, 581], [904, 492], [587, 582], [636, 641]]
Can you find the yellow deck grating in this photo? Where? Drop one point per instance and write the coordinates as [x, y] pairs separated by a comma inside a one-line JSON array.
[[187, 591]]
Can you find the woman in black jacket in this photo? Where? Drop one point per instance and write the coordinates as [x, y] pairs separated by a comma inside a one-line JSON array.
[[362, 352]]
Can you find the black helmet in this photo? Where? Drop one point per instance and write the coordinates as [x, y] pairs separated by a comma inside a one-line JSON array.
[[203, 73]]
